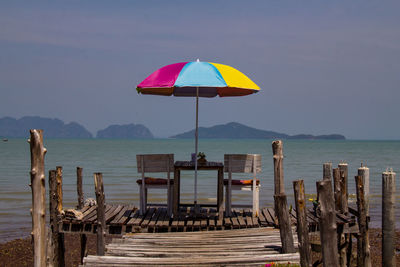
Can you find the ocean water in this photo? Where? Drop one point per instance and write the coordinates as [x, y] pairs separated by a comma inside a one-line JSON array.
[[116, 159]]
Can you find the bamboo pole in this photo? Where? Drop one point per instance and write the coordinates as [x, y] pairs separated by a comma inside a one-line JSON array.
[[38, 186], [388, 219], [79, 187], [327, 223], [302, 225], [363, 252], [101, 220]]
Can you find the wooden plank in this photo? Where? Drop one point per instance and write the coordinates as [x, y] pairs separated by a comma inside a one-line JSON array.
[[261, 219], [273, 216], [106, 209], [212, 214], [136, 219], [204, 218], [155, 162], [268, 218], [241, 221], [227, 222], [248, 218], [163, 220], [241, 163], [147, 218], [235, 222], [196, 224], [85, 208], [154, 218], [123, 215], [195, 248], [111, 212], [179, 261], [87, 213]]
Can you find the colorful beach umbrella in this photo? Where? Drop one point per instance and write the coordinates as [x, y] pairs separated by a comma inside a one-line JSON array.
[[197, 79]]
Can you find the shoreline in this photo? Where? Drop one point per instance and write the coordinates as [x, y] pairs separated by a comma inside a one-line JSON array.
[[18, 252]]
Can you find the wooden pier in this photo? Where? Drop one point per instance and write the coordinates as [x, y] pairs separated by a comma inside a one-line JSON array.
[[237, 247], [121, 219]]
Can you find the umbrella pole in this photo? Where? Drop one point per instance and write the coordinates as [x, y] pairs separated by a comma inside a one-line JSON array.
[[196, 147]]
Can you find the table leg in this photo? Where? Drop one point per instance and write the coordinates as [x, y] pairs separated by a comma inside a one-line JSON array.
[[220, 193], [175, 199]]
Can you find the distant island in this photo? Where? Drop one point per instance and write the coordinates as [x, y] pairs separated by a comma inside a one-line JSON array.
[[234, 130], [55, 128], [52, 128], [128, 131]]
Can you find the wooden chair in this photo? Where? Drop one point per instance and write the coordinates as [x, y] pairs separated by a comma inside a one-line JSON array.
[[152, 163], [242, 163]]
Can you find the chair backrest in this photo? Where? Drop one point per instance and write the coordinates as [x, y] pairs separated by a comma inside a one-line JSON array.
[[242, 163], [155, 163]]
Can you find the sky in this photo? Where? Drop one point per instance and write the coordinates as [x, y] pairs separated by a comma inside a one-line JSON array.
[[323, 66]]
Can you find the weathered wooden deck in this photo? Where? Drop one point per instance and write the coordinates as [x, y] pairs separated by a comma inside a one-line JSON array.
[[240, 247], [121, 219]]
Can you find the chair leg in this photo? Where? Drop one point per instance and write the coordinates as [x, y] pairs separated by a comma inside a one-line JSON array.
[[141, 202], [169, 200], [145, 198], [228, 204], [256, 201]]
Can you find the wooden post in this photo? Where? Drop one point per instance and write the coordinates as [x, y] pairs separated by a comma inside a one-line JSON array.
[[337, 189], [285, 229], [327, 223], [59, 189], [281, 209], [57, 238], [38, 185], [83, 247], [342, 247], [101, 219], [388, 219], [363, 253], [343, 169], [302, 225], [327, 171], [363, 171], [348, 243], [277, 151], [79, 187]]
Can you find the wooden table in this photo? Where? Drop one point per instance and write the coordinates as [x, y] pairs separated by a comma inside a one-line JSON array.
[[189, 165]]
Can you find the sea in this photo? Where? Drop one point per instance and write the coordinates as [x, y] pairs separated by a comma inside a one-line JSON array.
[[116, 160]]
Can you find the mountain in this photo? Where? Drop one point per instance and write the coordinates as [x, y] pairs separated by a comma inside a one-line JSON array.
[[236, 130], [52, 128], [128, 131]]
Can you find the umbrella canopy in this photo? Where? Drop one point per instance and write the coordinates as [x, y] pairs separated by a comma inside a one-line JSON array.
[[197, 79], [182, 79]]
